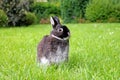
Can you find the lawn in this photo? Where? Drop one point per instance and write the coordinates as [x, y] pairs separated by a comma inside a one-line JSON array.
[[94, 53]]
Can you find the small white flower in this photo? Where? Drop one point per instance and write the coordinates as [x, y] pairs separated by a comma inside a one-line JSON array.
[[100, 36], [111, 33]]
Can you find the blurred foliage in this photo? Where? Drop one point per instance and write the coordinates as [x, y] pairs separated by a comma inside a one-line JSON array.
[[3, 19], [103, 11], [15, 10], [44, 10], [72, 10], [29, 18]]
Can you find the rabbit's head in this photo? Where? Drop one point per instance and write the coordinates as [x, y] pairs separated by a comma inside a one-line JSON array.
[[59, 31]]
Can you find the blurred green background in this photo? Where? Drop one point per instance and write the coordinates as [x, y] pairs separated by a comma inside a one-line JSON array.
[[27, 12]]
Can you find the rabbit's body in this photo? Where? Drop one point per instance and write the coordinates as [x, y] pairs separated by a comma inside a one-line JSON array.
[[53, 48], [56, 51]]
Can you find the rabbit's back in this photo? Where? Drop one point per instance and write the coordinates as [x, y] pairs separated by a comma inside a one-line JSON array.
[[41, 47]]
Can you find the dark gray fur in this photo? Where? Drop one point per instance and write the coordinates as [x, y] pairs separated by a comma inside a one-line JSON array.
[[48, 46]]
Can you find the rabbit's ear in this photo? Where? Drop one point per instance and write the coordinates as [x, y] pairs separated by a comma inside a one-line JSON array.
[[54, 21]]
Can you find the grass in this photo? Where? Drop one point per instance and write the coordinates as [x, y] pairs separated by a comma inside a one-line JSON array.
[[94, 53]]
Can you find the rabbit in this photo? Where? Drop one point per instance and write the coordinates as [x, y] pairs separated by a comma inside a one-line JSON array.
[[54, 48]]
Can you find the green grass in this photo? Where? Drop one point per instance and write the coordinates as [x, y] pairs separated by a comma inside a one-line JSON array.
[[94, 53]]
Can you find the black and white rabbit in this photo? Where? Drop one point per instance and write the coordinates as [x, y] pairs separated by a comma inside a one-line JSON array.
[[54, 48]]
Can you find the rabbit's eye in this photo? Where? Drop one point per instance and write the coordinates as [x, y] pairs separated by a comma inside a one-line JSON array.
[[60, 30]]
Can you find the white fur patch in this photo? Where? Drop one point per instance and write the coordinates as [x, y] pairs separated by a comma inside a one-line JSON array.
[[44, 61]]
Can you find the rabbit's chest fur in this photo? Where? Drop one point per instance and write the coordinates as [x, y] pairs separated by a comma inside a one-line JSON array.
[[60, 55]]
